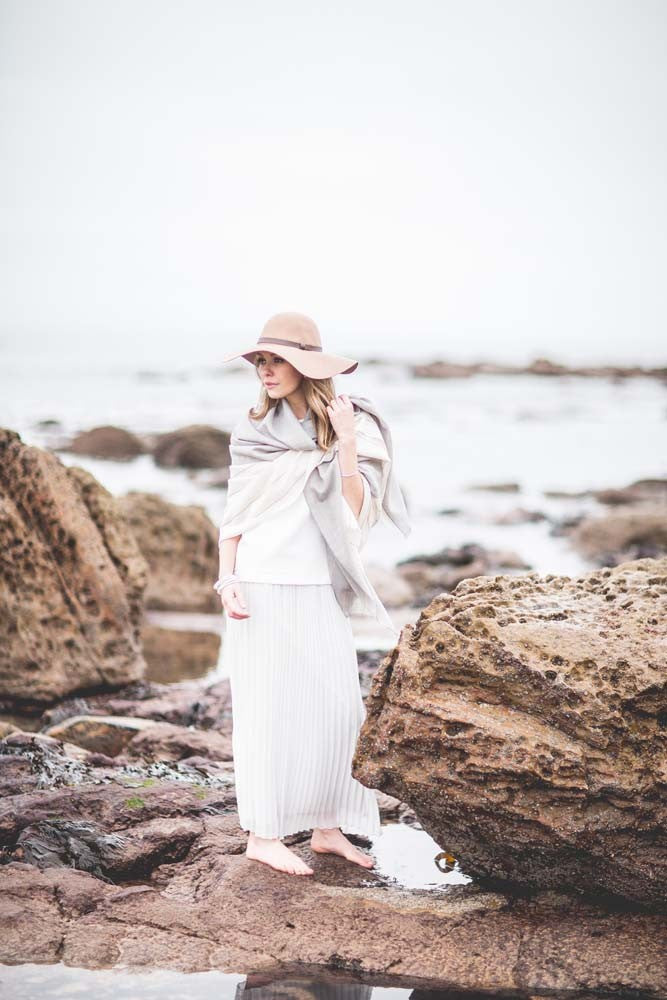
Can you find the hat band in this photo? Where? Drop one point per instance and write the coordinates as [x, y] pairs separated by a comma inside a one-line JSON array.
[[289, 343]]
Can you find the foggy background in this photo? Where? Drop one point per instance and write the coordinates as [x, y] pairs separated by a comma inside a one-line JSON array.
[[461, 179]]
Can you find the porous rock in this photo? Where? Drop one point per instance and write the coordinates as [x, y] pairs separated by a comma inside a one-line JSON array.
[[71, 581], [524, 719]]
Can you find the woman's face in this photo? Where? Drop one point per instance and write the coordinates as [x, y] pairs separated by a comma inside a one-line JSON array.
[[278, 376]]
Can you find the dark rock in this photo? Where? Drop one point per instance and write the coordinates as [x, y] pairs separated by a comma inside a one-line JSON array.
[[198, 446]]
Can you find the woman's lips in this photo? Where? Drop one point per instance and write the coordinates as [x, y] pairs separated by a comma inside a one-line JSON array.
[[270, 385]]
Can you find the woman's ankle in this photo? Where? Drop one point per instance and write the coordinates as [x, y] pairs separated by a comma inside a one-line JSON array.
[[265, 840]]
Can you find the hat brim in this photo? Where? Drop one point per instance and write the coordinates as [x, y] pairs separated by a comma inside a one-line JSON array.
[[312, 364]]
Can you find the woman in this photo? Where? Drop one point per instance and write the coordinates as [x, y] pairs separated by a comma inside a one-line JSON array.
[[311, 472]]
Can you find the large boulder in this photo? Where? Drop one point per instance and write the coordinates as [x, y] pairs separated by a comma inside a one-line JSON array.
[[108, 442], [524, 719], [71, 581], [198, 446], [180, 544]]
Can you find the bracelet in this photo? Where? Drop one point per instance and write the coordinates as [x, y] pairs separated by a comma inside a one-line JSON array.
[[346, 474], [225, 581]]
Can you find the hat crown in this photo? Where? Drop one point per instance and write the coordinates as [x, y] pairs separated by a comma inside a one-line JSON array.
[[292, 326]]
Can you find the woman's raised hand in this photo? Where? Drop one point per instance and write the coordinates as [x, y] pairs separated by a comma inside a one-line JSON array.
[[341, 414], [233, 602]]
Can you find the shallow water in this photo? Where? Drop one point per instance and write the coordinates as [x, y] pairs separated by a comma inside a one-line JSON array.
[[63, 982]]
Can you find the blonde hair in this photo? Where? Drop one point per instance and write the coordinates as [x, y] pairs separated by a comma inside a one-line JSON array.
[[318, 392]]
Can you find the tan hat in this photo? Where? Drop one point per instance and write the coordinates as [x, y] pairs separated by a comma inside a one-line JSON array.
[[295, 338]]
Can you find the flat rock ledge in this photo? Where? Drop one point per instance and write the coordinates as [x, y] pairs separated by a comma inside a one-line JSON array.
[[109, 861], [219, 910]]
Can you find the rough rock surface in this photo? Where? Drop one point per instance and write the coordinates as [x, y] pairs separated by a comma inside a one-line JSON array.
[[106, 866], [71, 580], [180, 544], [524, 719]]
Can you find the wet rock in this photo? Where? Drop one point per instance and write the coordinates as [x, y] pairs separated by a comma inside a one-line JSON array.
[[132, 869], [49, 844], [141, 738], [163, 741], [629, 533], [189, 703], [105, 734], [540, 366], [198, 446], [442, 369], [524, 719], [106, 442], [174, 654], [428, 574], [497, 487], [519, 515], [71, 581], [180, 544], [219, 910], [641, 491], [566, 494]]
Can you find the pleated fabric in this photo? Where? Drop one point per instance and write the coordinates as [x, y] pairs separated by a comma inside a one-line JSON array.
[[297, 710]]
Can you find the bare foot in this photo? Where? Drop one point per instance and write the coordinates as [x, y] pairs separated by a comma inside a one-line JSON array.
[[276, 854], [334, 841]]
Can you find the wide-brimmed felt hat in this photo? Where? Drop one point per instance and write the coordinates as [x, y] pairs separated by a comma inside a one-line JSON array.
[[295, 338]]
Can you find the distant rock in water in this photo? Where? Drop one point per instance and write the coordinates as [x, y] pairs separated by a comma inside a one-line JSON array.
[[631, 532], [524, 719], [71, 581], [429, 573], [540, 366], [496, 487], [106, 442], [641, 491], [180, 544], [198, 446]]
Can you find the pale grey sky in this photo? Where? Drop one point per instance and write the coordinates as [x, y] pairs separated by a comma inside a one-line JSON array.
[[467, 179]]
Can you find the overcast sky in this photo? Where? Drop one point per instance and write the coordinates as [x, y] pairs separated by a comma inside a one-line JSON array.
[[459, 177]]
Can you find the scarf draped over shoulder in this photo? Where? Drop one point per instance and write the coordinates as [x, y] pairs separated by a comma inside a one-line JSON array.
[[275, 459]]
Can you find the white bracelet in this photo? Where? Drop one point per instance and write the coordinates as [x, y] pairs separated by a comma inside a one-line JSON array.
[[225, 581], [346, 474]]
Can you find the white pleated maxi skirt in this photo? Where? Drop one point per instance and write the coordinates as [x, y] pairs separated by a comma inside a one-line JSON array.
[[297, 710]]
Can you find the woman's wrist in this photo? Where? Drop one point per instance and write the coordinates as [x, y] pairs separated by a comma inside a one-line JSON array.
[[347, 456], [225, 580]]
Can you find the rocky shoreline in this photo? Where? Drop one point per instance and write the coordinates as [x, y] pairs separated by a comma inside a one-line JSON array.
[[521, 722]]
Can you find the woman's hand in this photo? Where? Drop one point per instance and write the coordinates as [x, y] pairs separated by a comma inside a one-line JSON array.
[[233, 602], [341, 415]]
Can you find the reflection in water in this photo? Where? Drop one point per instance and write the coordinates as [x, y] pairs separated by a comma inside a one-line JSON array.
[[260, 987], [412, 859]]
